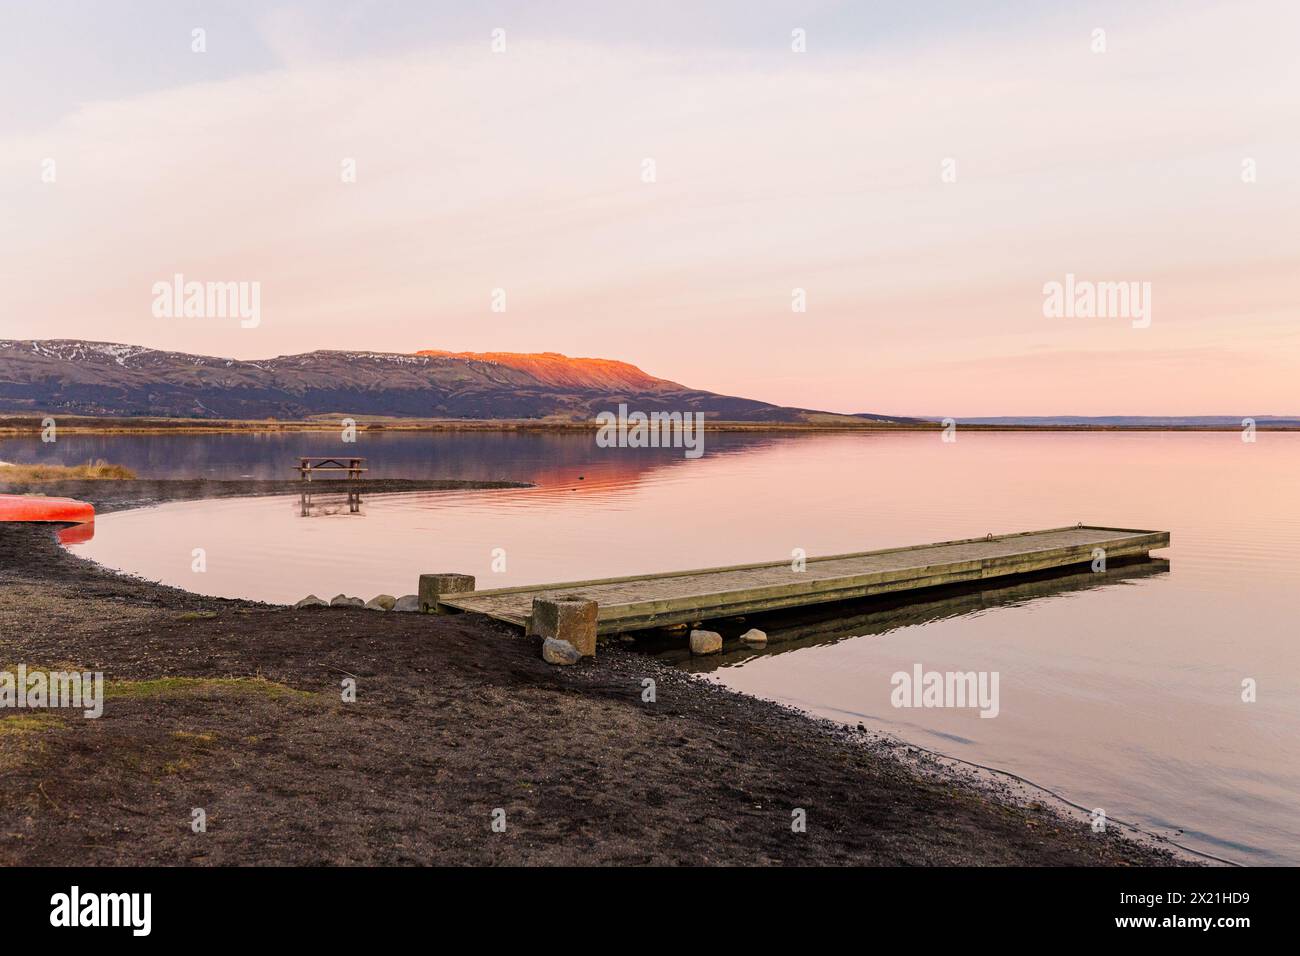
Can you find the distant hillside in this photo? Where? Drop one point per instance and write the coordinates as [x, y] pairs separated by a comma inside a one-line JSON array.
[[102, 378]]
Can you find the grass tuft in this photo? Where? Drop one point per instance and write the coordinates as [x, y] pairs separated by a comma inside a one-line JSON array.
[[22, 724], [94, 470], [197, 738]]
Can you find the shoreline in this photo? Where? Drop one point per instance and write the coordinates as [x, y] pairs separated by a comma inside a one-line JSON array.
[[145, 492], [17, 426], [234, 706]]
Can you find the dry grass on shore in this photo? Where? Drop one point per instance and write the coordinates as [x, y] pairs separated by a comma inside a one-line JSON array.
[[98, 469]]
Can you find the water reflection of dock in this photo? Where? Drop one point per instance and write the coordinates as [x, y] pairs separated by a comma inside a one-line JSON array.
[[793, 630]]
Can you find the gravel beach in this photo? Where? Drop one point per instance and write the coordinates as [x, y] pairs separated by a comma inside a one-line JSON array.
[[236, 708]]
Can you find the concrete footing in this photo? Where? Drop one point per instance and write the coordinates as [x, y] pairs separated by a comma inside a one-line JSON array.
[[570, 618], [434, 586]]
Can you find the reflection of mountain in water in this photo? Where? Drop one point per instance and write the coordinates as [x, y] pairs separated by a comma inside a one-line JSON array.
[[546, 459], [796, 629]]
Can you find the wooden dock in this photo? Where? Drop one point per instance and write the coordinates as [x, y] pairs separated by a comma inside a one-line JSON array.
[[679, 597]]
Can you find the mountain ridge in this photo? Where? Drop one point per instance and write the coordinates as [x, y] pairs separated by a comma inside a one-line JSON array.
[[81, 377]]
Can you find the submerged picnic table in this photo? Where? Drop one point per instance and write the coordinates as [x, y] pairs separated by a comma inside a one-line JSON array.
[[678, 597]]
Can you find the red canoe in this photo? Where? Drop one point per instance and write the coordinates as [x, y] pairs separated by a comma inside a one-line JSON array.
[[41, 508]]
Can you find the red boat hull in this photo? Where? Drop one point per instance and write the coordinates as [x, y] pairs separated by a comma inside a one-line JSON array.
[[41, 508]]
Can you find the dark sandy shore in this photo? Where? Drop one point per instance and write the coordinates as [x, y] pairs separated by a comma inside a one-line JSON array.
[[235, 707]]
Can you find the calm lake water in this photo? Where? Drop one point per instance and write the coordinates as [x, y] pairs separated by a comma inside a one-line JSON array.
[[1121, 691]]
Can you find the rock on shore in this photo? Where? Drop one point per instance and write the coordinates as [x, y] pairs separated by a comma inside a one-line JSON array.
[[556, 651], [705, 642]]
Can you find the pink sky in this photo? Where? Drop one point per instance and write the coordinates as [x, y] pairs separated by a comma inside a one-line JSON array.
[[775, 171]]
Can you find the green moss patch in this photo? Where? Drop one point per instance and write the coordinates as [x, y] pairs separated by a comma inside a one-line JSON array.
[[193, 686], [24, 724]]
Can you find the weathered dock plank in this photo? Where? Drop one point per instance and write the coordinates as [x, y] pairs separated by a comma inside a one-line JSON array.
[[677, 597]]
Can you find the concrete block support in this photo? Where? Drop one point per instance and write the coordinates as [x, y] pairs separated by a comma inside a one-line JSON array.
[[433, 586], [570, 618]]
